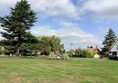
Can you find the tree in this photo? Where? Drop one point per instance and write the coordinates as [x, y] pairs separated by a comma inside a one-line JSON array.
[[110, 38], [50, 44], [17, 26], [90, 53]]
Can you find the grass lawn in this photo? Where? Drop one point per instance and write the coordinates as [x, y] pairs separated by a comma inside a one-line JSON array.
[[75, 70]]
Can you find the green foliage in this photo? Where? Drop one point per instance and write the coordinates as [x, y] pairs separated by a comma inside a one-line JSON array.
[[17, 26], [110, 38], [52, 55], [82, 53], [90, 53], [65, 56], [27, 49], [49, 44], [63, 51], [2, 52], [71, 53]]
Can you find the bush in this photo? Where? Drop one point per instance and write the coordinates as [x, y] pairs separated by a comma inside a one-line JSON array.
[[2, 52], [71, 53], [65, 56], [90, 53], [52, 55], [80, 53]]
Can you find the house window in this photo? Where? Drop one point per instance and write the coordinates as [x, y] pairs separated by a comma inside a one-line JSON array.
[[114, 53]]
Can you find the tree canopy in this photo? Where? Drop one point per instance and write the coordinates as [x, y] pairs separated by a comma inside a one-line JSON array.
[[49, 44], [110, 38], [17, 25]]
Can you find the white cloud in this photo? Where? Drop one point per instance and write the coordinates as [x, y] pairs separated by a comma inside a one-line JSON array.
[[103, 8], [43, 31], [55, 8], [66, 9], [5, 6], [49, 8], [68, 35]]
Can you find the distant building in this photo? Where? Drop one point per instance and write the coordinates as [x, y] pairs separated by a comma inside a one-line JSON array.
[[96, 50], [114, 49]]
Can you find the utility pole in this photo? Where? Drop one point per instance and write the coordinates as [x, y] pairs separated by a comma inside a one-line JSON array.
[[71, 44]]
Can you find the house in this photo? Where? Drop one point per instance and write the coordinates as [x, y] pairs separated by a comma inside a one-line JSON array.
[[114, 49], [96, 49]]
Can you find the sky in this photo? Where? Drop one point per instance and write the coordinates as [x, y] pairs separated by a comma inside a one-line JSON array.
[[78, 23]]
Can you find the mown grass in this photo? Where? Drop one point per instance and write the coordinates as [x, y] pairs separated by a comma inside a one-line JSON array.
[[75, 70]]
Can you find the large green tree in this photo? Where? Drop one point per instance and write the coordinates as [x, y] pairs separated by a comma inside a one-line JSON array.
[[110, 38], [17, 26], [50, 44]]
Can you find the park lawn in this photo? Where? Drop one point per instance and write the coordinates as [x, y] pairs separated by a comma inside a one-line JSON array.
[[74, 70]]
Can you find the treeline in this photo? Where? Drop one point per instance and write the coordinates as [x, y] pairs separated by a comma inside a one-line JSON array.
[[82, 53], [50, 44], [45, 45]]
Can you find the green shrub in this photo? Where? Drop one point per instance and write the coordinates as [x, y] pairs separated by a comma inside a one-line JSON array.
[[2, 52], [52, 55], [71, 53], [90, 53], [65, 56], [83, 53], [80, 53]]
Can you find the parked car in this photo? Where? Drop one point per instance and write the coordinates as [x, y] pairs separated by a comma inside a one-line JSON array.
[[114, 51], [113, 57]]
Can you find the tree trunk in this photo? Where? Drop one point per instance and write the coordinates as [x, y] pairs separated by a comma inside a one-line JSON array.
[[18, 46], [17, 52]]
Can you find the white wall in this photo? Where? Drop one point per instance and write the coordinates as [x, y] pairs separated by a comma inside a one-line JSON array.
[[115, 48]]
